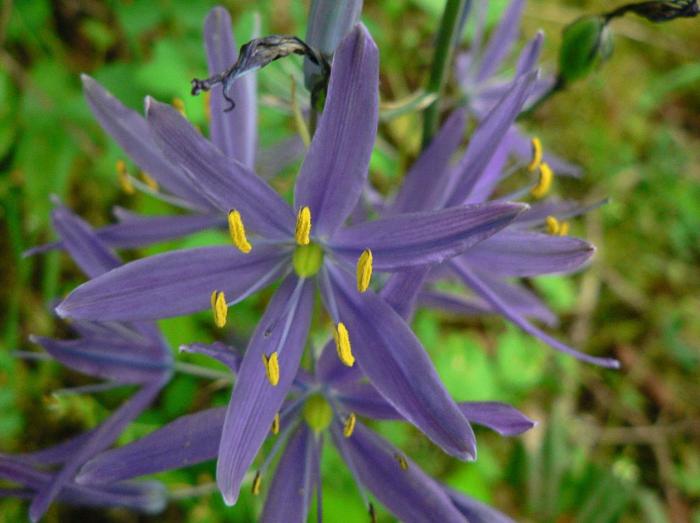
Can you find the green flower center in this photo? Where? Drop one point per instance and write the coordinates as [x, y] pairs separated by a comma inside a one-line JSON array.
[[318, 414], [307, 260]]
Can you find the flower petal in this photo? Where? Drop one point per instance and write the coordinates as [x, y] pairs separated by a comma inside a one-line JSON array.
[[174, 283], [235, 133], [219, 351], [130, 130], [227, 183], [398, 366], [524, 253], [501, 41], [500, 417], [527, 60], [473, 281], [411, 495], [335, 168], [289, 496], [186, 441], [428, 237], [475, 511], [421, 188], [254, 401]]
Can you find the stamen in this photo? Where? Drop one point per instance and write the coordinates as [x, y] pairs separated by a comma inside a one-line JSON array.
[[349, 426], [544, 183], [219, 308], [403, 462], [342, 344], [149, 181], [303, 229], [257, 483], [272, 368], [536, 154], [123, 177], [364, 270], [180, 106], [237, 231], [276, 424], [556, 227]]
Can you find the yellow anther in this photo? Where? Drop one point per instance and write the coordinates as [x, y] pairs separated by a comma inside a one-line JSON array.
[[302, 233], [299, 122], [219, 308], [180, 106], [349, 426], [276, 424], [257, 483], [342, 344], [123, 177], [403, 462], [272, 368], [237, 231], [149, 181], [364, 270], [556, 227], [544, 183], [536, 154]]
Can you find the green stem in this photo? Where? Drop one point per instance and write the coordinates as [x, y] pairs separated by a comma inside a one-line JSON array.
[[444, 49]]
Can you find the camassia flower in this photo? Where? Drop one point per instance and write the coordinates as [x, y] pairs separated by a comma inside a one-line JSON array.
[[330, 402], [123, 354], [515, 251], [307, 248]]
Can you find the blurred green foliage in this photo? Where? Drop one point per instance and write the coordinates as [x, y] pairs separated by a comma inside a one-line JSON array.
[[610, 446]]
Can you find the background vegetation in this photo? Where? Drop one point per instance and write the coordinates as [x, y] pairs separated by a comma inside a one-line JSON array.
[[610, 446]]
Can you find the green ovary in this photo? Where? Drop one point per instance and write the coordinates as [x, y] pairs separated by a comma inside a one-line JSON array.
[[318, 414], [307, 260]]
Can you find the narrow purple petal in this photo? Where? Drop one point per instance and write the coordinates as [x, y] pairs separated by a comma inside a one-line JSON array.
[[520, 299], [402, 289], [487, 137], [470, 279], [475, 511], [335, 168], [78, 238], [501, 41], [492, 174], [524, 253], [103, 437], [364, 399], [527, 60], [276, 157], [233, 132], [227, 183], [413, 239], [254, 401], [186, 441], [449, 302], [171, 284], [58, 453], [393, 359], [411, 495], [421, 188], [290, 492], [130, 130], [116, 360], [219, 351], [500, 417]]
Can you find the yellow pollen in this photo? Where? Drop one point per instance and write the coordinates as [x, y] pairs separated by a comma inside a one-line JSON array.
[[403, 462], [342, 344], [149, 181], [180, 106], [302, 234], [272, 368], [544, 183], [536, 154], [237, 231], [349, 426], [276, 424], [123, 177], [364, 270], [219, 308], [556, 227], [257, 483]]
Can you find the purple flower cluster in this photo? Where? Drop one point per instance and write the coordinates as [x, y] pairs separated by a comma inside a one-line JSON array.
[[446, 223]]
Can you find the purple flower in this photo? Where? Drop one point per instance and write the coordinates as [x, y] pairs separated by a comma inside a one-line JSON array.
[[328, 403], [123, 354]]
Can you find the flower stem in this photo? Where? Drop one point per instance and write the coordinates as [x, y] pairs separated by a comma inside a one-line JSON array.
[[444, 49]]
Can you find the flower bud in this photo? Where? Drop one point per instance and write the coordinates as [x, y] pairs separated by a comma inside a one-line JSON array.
[[585, 43]]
